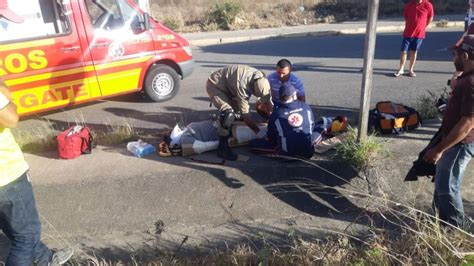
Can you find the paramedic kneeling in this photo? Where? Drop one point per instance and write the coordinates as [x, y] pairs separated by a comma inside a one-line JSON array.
[[230, 89], [453, 153], [290, 127]]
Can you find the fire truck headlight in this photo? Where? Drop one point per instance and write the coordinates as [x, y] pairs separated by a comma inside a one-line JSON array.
[[188, 50]]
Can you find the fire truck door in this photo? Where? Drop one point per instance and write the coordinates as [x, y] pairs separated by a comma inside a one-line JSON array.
[[118, 47]]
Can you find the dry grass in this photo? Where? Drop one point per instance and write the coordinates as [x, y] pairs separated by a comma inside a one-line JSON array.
[[419, 240], [191, 16], [116, 134], [442, 23], [42, 138], [426, 103], [360, 155], [38, 139], [398, 234], [267, 15]]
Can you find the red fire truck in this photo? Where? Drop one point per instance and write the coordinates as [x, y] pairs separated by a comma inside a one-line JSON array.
[[65, 52]]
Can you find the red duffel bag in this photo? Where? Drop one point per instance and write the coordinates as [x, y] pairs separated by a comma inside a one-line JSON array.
[[73, 142]]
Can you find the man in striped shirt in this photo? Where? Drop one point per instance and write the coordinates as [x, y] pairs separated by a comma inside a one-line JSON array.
[[282, 76]]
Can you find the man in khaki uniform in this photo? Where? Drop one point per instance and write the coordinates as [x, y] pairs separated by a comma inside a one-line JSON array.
[[230, 89]]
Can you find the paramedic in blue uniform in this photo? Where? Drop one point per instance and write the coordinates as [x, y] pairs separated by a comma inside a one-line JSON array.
[[289, 127]]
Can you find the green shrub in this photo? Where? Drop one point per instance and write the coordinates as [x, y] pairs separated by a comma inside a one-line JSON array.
[[359, 154], [442, 23], [426, 104], [223, 14], [174, 21], [171, 23]]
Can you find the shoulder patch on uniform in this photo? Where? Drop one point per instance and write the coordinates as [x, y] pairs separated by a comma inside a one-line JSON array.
[[295, 120]]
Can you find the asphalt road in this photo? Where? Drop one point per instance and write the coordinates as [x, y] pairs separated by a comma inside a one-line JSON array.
[[106, 204], [330, 67]]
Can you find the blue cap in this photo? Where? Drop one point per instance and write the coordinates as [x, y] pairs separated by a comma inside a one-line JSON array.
[[286, 90]]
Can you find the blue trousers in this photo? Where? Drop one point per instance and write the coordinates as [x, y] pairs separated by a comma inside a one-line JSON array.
[[450, 170], [20, 222]]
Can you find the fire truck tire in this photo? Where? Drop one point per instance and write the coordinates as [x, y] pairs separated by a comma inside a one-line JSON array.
[[162, 83]]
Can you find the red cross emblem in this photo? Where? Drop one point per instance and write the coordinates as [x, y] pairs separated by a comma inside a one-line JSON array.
[[295, 120]]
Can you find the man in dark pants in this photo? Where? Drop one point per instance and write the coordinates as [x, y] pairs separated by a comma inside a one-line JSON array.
[[456, 148], [290, 127], [19, 219]]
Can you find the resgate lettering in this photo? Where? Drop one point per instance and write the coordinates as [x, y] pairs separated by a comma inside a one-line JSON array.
[[17, 62], [51, 96]]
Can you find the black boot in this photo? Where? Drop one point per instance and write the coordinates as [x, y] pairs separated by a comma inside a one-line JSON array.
[[223, 151]]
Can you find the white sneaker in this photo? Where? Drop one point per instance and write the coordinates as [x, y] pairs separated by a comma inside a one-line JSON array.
[[61, 256], [398, 73]]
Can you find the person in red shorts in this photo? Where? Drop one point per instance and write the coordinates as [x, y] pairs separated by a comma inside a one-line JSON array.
[[418, 15]]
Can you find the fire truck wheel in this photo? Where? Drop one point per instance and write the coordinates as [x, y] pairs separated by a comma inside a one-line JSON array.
[[162, 83]]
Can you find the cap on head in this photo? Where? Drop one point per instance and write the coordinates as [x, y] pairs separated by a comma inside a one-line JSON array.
[[470, 30], [467, 44], [8, 14], [261, 87], [286, 90]]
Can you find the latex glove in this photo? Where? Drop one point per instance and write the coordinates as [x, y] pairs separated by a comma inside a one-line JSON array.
[[261, 134]]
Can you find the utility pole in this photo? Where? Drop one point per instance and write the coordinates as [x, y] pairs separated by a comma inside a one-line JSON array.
[[370, 38]]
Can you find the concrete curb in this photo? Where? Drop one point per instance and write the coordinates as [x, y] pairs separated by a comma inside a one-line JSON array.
[[361, 30]]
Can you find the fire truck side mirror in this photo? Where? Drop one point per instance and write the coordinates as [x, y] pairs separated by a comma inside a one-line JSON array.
[[146, 21]]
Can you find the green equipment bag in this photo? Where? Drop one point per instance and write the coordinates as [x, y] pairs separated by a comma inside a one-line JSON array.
[[393, 118]]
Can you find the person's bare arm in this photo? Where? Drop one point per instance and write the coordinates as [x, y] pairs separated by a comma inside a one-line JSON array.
[[430, 16], [457, 134], [430, 19], [8, 114], [250, 122]]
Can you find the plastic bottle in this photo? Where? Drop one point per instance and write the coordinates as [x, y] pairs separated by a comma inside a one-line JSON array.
[[140, 148]]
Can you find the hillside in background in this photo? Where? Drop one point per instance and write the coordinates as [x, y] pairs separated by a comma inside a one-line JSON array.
[[211, 15]]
